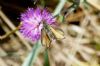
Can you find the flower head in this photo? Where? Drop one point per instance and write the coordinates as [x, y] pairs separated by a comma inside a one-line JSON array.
[[32, 22]]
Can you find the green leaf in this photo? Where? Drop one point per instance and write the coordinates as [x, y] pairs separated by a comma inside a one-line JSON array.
[[33, 55], [61, 18]]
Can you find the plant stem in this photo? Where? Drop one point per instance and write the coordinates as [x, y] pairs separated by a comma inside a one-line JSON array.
[[33, 55], [46, 58], [8, 34], [59, 7]]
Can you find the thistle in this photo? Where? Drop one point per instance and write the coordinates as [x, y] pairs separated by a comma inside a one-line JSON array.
[[34, 21]]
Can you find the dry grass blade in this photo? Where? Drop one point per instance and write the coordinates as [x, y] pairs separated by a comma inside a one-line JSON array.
[[9, 23], [2, 62], [95, 3]]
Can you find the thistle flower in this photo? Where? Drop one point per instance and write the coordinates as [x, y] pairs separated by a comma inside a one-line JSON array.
[[32, 22]]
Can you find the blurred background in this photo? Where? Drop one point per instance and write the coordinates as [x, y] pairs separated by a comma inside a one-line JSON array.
[[81, 46]]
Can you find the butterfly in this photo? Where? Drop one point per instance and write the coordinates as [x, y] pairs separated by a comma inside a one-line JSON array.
[[48, 33]]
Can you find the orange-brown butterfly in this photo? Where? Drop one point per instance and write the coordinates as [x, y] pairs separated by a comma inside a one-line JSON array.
[[49, 33]]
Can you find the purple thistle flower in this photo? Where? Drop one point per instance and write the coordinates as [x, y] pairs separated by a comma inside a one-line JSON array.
[[32, 22]]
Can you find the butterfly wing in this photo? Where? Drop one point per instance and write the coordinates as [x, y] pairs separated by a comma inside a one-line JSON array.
[[45, 39], [58, 34]]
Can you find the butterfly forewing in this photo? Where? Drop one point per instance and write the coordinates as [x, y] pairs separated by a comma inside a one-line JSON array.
[[45, 39], [59, 34]]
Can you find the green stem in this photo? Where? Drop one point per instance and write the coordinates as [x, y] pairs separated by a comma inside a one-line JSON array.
[[59, 7], [33, 55], [46, 58]]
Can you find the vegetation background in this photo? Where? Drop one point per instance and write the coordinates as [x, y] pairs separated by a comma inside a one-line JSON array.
[[81, 26]]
